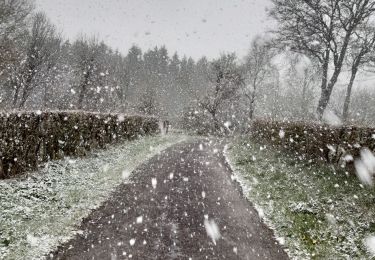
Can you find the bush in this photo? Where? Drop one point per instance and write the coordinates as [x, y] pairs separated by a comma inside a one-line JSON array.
[[316, 141], [30, 138]]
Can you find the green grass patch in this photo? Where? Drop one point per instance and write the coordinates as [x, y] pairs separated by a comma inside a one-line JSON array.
[[320, 211]]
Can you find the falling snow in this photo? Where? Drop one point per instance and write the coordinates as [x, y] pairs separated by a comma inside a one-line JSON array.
[[212, 230], [154, 182]]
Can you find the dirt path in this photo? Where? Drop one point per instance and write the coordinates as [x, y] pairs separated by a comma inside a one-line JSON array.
[[161, 213]]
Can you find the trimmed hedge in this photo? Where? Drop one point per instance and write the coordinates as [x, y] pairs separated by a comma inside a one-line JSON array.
[[30, 138], [316, 141]]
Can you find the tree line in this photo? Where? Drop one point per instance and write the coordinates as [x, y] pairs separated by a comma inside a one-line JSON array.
[[41, 70], [290, 73]]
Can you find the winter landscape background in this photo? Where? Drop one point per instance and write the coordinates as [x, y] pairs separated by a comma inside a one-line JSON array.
[[187, 129], [43, 69]]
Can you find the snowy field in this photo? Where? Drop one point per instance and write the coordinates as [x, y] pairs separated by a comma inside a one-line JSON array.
[[316, 211], [43, 209]]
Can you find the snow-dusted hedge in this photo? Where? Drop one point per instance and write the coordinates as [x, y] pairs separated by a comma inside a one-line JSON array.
[[29, 138], [333, 144]]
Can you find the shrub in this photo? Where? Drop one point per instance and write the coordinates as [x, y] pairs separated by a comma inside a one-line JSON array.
[[30, 138], [309, 140]]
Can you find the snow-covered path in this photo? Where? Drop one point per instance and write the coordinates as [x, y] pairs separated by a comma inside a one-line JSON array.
[[181, 204]]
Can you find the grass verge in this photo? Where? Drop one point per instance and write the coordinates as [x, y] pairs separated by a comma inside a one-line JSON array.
[[319, 212], [41, 210]]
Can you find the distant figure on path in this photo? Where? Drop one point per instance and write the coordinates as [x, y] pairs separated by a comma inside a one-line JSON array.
[[166, 126]]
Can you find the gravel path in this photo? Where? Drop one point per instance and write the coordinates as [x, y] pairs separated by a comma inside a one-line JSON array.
[[181, 204]]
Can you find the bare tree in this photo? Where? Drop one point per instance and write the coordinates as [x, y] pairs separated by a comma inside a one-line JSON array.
[[13, 15], [361, 54], [40, 50], [321, 29], [226, 79], [86, 57], [13, 28], [257, 70], [52, 69]]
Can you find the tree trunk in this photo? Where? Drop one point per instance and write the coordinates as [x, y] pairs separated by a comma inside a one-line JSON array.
[[25, 94], [252, 101], [23, 100], [323, 102], [27, 88], [252, 107], [275, 106], [326, 93], [251, 113], [216, 123], [215, 120], [327, 89], [81, 97], [15, 97], [304, 99], [345, 112], [323, 87]]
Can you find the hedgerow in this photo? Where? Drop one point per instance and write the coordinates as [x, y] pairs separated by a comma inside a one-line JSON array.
[[319, 142], [30, 138]]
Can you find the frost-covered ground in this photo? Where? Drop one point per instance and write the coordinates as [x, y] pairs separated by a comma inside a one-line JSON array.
[[317, 212], [43, 209]]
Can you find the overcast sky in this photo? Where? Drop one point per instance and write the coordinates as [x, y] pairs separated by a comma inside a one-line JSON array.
[[191, 27]]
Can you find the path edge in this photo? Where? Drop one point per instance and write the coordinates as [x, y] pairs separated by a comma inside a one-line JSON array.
[[245, 187]]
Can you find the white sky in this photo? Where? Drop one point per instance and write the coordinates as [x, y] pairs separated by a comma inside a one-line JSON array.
[[191, 27]]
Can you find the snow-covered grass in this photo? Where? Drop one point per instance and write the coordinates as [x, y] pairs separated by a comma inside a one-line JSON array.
[[317, 211], [43, 209]]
